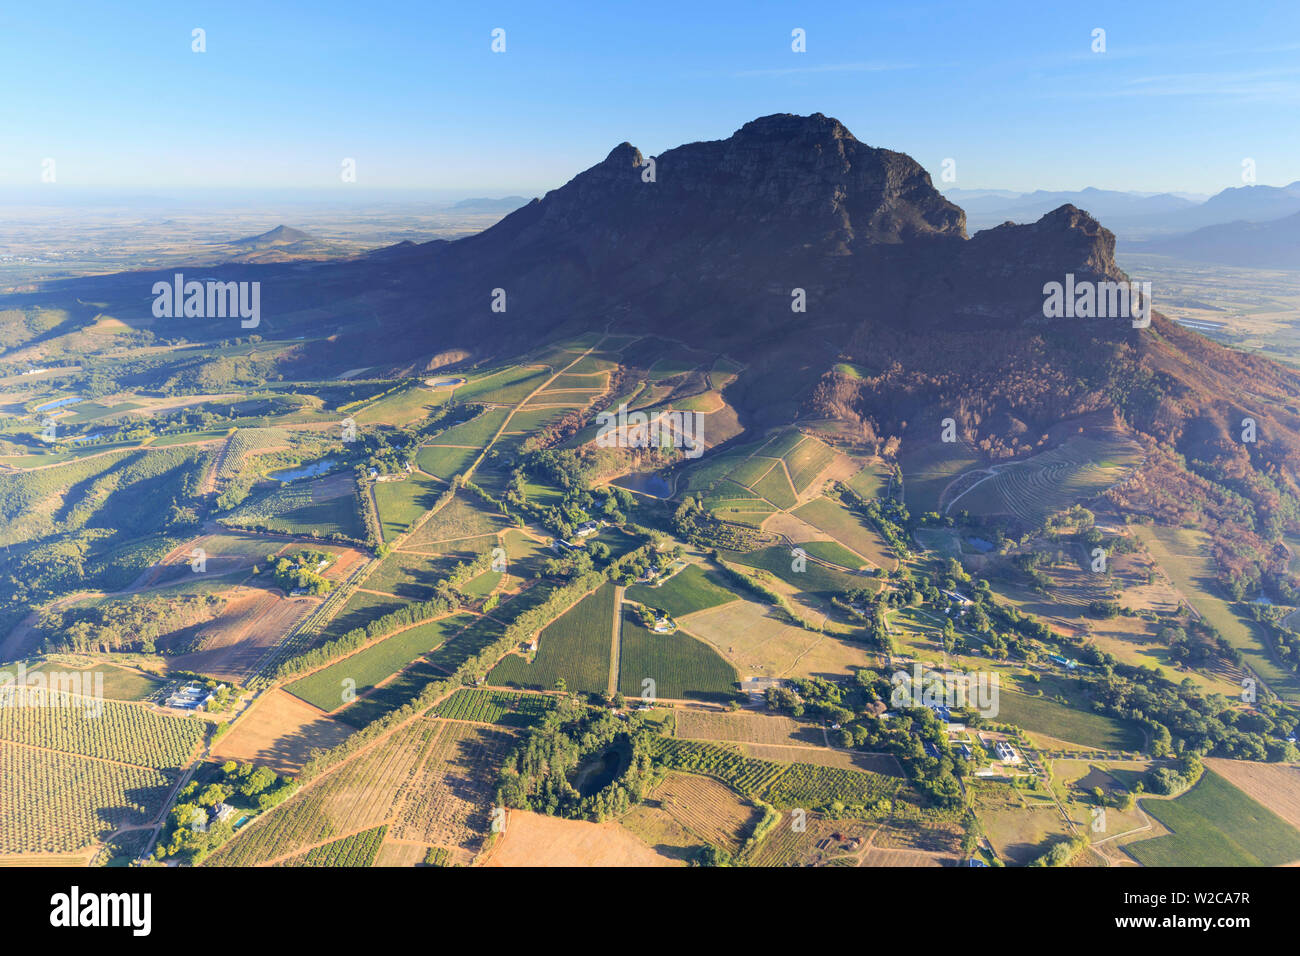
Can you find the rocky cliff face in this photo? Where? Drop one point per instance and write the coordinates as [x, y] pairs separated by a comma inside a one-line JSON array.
[[710, 242]]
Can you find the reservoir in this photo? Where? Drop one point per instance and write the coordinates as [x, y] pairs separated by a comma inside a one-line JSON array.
[[313, 470], [646, 483]]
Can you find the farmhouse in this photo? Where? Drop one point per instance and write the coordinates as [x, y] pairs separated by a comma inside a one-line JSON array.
[[220, 812], [190, 697], [587, 528]]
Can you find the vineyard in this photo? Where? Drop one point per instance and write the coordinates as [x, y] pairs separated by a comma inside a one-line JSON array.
[[359, 849], [449, 800], [707, 809], [245, 442], [680, 666], [124, 732], [576, 647], [728, 764], [359, 794], [784, 786], [817, 788], [494, 707], [1046, 483], [325, 688], [60, 803], [320, 507], [476, 432]]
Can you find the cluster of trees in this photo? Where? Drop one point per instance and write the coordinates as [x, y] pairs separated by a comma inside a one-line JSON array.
[[298, 571], [133, 624], [1062, 852], [853, 712], [1171, 781], [573, 742], [691, 522], [192, 832], [571, 471]]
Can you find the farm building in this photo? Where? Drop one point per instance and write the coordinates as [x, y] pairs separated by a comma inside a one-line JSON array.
[[1006, 753], [190, 697]]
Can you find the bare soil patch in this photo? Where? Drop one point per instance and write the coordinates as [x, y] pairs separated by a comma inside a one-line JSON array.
[[280, 731], [531, 839]]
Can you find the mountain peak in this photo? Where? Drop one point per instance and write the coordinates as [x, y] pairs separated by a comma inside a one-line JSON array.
[[280, 235]]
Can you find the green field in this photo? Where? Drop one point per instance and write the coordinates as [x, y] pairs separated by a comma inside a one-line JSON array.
[[476, 432], [692, 589], [302, 507], [400, 503], [357, 674], [871, 482], [455, 521], [359, 610], [929, 465], [807, 461], [408, 405], [834, 552], [576, 646], [681, 667], [507, 387], [814, 579], [845, 527], [775, 486], [120, 683], [445, 461], [1043, 716], [1184, 554], [1215, 824], [413, 575]]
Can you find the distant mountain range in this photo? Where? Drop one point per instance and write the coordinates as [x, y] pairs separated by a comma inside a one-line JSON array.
[[1216, 230], [1259, 245]]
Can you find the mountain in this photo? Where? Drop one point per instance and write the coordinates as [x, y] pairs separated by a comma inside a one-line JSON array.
[[711, 244], [907, 320], [1248, 203], [1258, 245], [281, 244], [279, 236]]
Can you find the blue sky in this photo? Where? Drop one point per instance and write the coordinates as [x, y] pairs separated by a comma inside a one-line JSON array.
[[1012, 92]]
